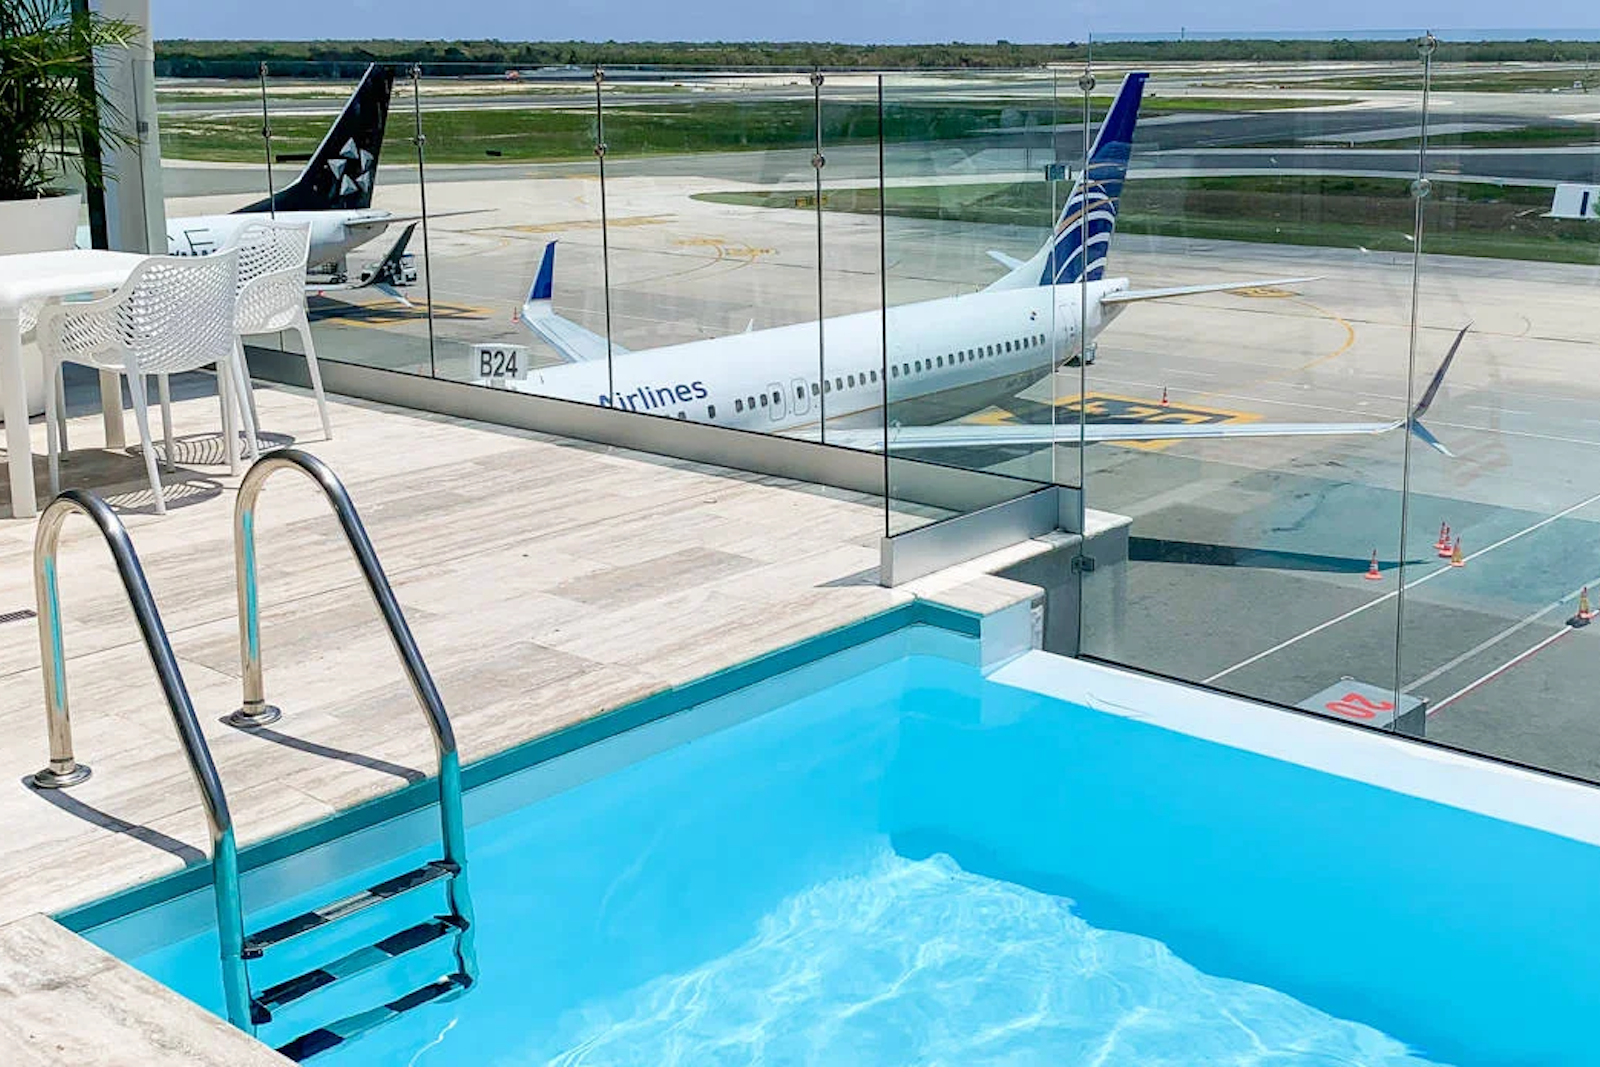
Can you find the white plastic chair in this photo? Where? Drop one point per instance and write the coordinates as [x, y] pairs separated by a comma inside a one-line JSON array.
[[272, 293], [172, 314]]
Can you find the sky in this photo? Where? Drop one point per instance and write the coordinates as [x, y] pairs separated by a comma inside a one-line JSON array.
[[858, 21]]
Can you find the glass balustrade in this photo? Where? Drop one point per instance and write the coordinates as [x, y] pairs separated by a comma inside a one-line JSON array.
[[895, 263]]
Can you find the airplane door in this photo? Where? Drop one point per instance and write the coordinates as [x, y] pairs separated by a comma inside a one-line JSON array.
[[799, 397], [776, 408]]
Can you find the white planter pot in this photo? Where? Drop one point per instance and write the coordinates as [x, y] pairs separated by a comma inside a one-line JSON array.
[[46, 224]]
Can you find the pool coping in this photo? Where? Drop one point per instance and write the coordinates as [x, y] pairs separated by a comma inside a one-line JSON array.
[[1003, 633]]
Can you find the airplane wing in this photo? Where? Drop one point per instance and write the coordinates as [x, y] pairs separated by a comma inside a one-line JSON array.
[[972, 435]]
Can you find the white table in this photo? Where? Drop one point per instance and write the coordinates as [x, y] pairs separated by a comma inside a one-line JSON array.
[[28, 277]]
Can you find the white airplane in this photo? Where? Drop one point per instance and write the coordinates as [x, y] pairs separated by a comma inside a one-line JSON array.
[[954, 356], [333, 193]]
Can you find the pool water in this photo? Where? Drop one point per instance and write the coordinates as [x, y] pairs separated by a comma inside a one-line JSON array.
[[890, 857]]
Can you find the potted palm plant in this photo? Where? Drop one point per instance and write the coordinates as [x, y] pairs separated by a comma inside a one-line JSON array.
[[48, 100]]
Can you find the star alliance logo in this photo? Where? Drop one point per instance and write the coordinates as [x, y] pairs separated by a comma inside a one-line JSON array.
[[352, 170]]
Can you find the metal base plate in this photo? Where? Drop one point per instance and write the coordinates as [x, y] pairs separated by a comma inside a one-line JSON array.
[[49, 779], [253, 718]]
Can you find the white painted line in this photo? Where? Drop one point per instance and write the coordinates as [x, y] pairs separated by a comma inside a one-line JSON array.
[[1443, 568], [1493, 640], [1492, 675]]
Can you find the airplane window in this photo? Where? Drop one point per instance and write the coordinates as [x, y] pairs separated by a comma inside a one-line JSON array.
[[1008, 346], [852, 381], [919, 366], [763, 399], [874, 375], [750, 402], [683, 414], [777, 396], [991, 350], [711, 411], [814, 389], [838, 383], [799, 392], [906, 369], [941, 361], [827, 386], [894, 372], [738, 405]]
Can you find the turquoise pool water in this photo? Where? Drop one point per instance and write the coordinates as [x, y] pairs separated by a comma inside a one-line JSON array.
[[888, 857]]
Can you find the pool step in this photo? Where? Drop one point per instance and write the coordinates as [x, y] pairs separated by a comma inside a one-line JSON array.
[[333, 1035], [257, 944], [287, 993]]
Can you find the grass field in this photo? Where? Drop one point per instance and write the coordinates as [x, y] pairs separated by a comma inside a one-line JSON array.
[[1535, 79], [475, 135], [1462, 218]]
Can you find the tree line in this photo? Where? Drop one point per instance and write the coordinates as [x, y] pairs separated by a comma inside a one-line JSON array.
[[346, 59]]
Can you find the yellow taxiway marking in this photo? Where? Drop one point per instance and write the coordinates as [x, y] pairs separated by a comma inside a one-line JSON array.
[[619, 221], [382, 316], [1273, 292], [1119, 408]]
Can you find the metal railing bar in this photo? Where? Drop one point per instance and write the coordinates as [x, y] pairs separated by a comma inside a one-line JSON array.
[[64, 771], [256, 712]]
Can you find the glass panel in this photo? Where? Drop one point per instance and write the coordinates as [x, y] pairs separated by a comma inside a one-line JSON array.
[[512, 179], [213, 157], [847, 201], [712, 229], [1263, 565], [1497, 645], [344, 160], [968, 200]]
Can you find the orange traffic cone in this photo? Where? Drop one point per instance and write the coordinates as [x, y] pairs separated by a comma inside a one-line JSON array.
[[1372, 574], [1585, 612], [1163, 396], [1443, 544], [1456, 559]]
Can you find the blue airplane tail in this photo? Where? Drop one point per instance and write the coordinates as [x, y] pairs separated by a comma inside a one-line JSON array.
[[1077, 251]]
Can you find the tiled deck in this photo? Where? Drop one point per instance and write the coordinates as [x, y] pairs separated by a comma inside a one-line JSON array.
[[546, 581]]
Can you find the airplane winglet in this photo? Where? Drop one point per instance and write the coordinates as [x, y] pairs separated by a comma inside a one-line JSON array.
[[1414, 423], [1008, 262]]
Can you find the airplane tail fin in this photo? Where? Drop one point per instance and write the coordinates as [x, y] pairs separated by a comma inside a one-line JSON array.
[[342, 170], [1414, 423], [1077, 249]]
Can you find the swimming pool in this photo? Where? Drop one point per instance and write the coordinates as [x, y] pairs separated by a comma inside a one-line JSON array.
[[892, 856]]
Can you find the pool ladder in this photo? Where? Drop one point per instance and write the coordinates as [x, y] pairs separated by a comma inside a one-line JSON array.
[[247, 1010]]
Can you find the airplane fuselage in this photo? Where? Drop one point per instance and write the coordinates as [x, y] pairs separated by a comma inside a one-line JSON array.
[[978, 349], [334, 233]]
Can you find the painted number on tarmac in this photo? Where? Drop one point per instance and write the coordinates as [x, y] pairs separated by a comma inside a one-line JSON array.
[[1356, 706]]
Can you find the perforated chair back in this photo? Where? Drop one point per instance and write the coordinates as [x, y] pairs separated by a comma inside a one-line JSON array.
[[272, 274], [174, 313]]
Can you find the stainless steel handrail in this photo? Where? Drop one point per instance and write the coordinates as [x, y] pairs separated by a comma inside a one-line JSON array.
[[64, 771], [256, 712]]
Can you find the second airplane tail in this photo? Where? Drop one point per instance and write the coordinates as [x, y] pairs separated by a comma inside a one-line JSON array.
[[341, 172], [1078, 247]]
